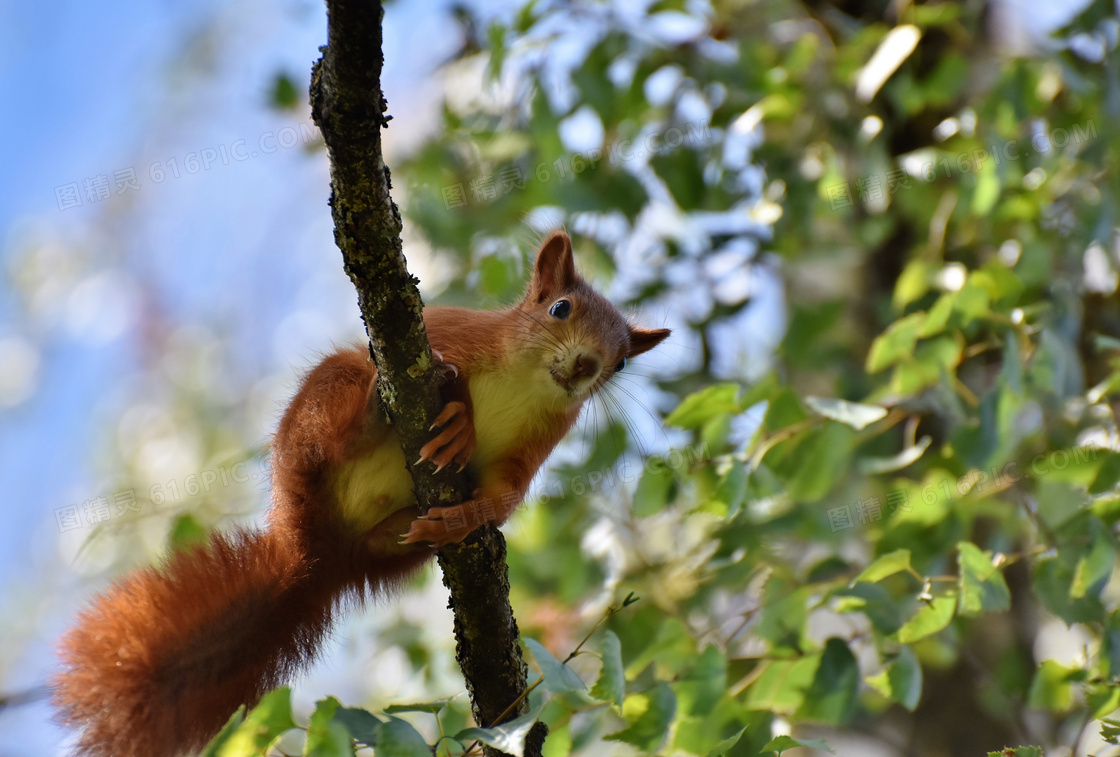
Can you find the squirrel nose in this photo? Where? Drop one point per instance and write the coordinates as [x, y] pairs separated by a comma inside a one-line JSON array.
[[586, 366]]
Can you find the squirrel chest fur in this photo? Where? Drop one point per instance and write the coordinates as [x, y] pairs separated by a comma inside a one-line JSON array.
[[509, 407]]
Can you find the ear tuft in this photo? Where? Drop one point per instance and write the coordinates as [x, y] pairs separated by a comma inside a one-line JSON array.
[[555, 270], [644, 340]]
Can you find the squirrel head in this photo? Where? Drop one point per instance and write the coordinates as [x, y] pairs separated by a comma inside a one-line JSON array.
[[577, 335]]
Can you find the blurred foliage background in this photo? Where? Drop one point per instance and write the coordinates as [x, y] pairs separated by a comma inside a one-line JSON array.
[[867, 493]]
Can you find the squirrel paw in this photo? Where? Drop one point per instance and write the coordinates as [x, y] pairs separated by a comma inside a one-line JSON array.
[[450, 525], [455, 443], [439, 526]]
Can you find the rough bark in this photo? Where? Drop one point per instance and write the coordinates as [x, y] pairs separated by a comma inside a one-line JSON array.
[[348, 106]]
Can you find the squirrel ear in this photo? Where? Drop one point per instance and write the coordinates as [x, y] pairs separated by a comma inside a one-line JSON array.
[[555, 269], [644, 340]]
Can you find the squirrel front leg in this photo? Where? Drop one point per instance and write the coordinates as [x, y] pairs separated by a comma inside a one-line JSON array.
[[502, 489]]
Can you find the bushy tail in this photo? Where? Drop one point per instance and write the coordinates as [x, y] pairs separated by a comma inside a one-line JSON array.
[[160, 661]]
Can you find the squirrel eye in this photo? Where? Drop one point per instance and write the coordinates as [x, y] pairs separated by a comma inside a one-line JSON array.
[[561, 309], [620, 366]]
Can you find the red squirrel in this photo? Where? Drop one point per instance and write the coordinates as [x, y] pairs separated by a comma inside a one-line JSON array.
[[158, 663]]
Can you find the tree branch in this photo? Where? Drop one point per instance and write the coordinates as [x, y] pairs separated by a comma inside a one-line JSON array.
[[348, 106]]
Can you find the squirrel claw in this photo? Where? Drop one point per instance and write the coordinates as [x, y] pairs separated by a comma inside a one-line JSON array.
[[455, 442], [443, 366], [426, 530]]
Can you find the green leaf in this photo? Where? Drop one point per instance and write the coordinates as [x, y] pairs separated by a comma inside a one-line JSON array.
[[285, 94], [1053, 584], [761, 390], [497, 274], [397, 738], [559, 742], [1011, 374], [701, 407], [833, 694], [999, 281], [508, 737], [901, 680], [327, 737], [652, 492], [730, 492], [1103, 699], [874, 601], [611, 685], [819, 461], [649, 730], [1052, 687], [986, 192], [973, 301], [700, 689], [1059, 503], [558, 677], [931, 618], [721, 749], [496, 36], [982, 588], [783, 613], [942, 353], [938, 315], [885, 565], [896, 343], [931, 360], [1056, 365], [264, 724], [854, 414], [1110, 731], [781, 687], [332, 740], [671, 642], [595, 86], [782, 743], [783, 410], [1019, 751], [912, 283], [683, 174], [186, 532], [1107, 476], [361, 724], [1094, 569]]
